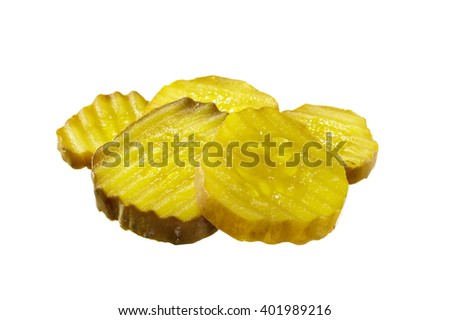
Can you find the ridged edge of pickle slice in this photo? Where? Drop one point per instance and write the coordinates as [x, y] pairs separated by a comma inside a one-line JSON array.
[[229, 95], [97, 124], [149, 225], [155, 202], [360, 150], [250, 206]]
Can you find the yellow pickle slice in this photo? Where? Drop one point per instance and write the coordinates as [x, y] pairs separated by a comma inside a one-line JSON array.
[[97, 124], [359, 150], [229, 95], [271, 183], [145, 182]]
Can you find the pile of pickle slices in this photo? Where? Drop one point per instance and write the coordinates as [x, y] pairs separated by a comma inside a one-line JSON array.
[[216, 153]]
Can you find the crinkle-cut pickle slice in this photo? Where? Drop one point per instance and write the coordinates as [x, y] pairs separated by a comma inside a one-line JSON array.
[[229, 95], [359, 151], [97, 124], [156, 200], [270, 204]]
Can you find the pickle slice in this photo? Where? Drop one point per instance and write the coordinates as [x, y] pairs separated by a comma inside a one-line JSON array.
[[359, 152], [228, 94], [148, 189], [276, 198], [97, 124]]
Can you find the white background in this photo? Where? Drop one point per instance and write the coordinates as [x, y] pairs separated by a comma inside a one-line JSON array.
[[386, 60]]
